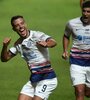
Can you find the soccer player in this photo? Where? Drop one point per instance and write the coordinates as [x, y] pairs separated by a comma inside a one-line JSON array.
[[33, 47], [79, 29]]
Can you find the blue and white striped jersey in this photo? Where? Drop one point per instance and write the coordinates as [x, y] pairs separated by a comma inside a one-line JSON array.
[[36, 56]]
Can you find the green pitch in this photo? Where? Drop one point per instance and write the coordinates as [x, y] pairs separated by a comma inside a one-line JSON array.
[[49, 16]]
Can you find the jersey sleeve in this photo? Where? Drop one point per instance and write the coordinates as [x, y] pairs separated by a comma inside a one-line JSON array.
[[13, 50], [42, 36], [68, 30]]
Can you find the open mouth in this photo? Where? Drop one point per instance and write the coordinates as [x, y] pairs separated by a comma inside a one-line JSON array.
[[85, 17], [22, 32]]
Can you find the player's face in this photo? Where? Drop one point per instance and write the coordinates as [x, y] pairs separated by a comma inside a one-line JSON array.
[[86, 15], [20, 27]]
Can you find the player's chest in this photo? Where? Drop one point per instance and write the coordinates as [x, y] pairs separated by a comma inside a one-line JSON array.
[[81, 30]]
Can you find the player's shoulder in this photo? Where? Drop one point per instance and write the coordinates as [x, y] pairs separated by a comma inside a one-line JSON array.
[[36, 33], [75, 20]]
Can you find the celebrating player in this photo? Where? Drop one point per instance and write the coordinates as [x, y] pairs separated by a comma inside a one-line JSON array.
[[33, 47]]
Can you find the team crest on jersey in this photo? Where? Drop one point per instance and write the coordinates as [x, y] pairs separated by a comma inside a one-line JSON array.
[[79, 37], [28, 44]]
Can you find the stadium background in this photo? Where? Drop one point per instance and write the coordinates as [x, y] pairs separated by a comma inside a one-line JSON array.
[[49, 16]]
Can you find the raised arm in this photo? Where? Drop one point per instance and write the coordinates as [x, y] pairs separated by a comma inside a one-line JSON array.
[[5, 53]]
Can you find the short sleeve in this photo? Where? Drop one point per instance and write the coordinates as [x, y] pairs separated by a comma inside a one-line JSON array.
[[13, 50], [68, 30], [43, 36]]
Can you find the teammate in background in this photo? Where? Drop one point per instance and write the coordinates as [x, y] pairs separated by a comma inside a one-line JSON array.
[[79, 28], [33, 47]]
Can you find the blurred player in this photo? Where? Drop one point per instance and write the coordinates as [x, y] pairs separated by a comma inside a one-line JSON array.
[[79, 29]]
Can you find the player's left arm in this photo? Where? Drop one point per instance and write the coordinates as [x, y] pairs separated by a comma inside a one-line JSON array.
[[51, 42], [48, 43]]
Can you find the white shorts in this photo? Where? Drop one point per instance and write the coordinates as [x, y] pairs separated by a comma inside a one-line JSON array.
[[80, 75], [41, 89]]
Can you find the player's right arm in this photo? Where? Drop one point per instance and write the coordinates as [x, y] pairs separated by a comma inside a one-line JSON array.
[[5, 53], [66, 39], [65, 47]]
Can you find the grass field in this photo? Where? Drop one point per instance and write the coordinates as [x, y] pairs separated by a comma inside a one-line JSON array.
[[49, 16]]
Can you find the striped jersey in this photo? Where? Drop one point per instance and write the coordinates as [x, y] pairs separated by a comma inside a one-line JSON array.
[[80, 50], [36, 56]]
